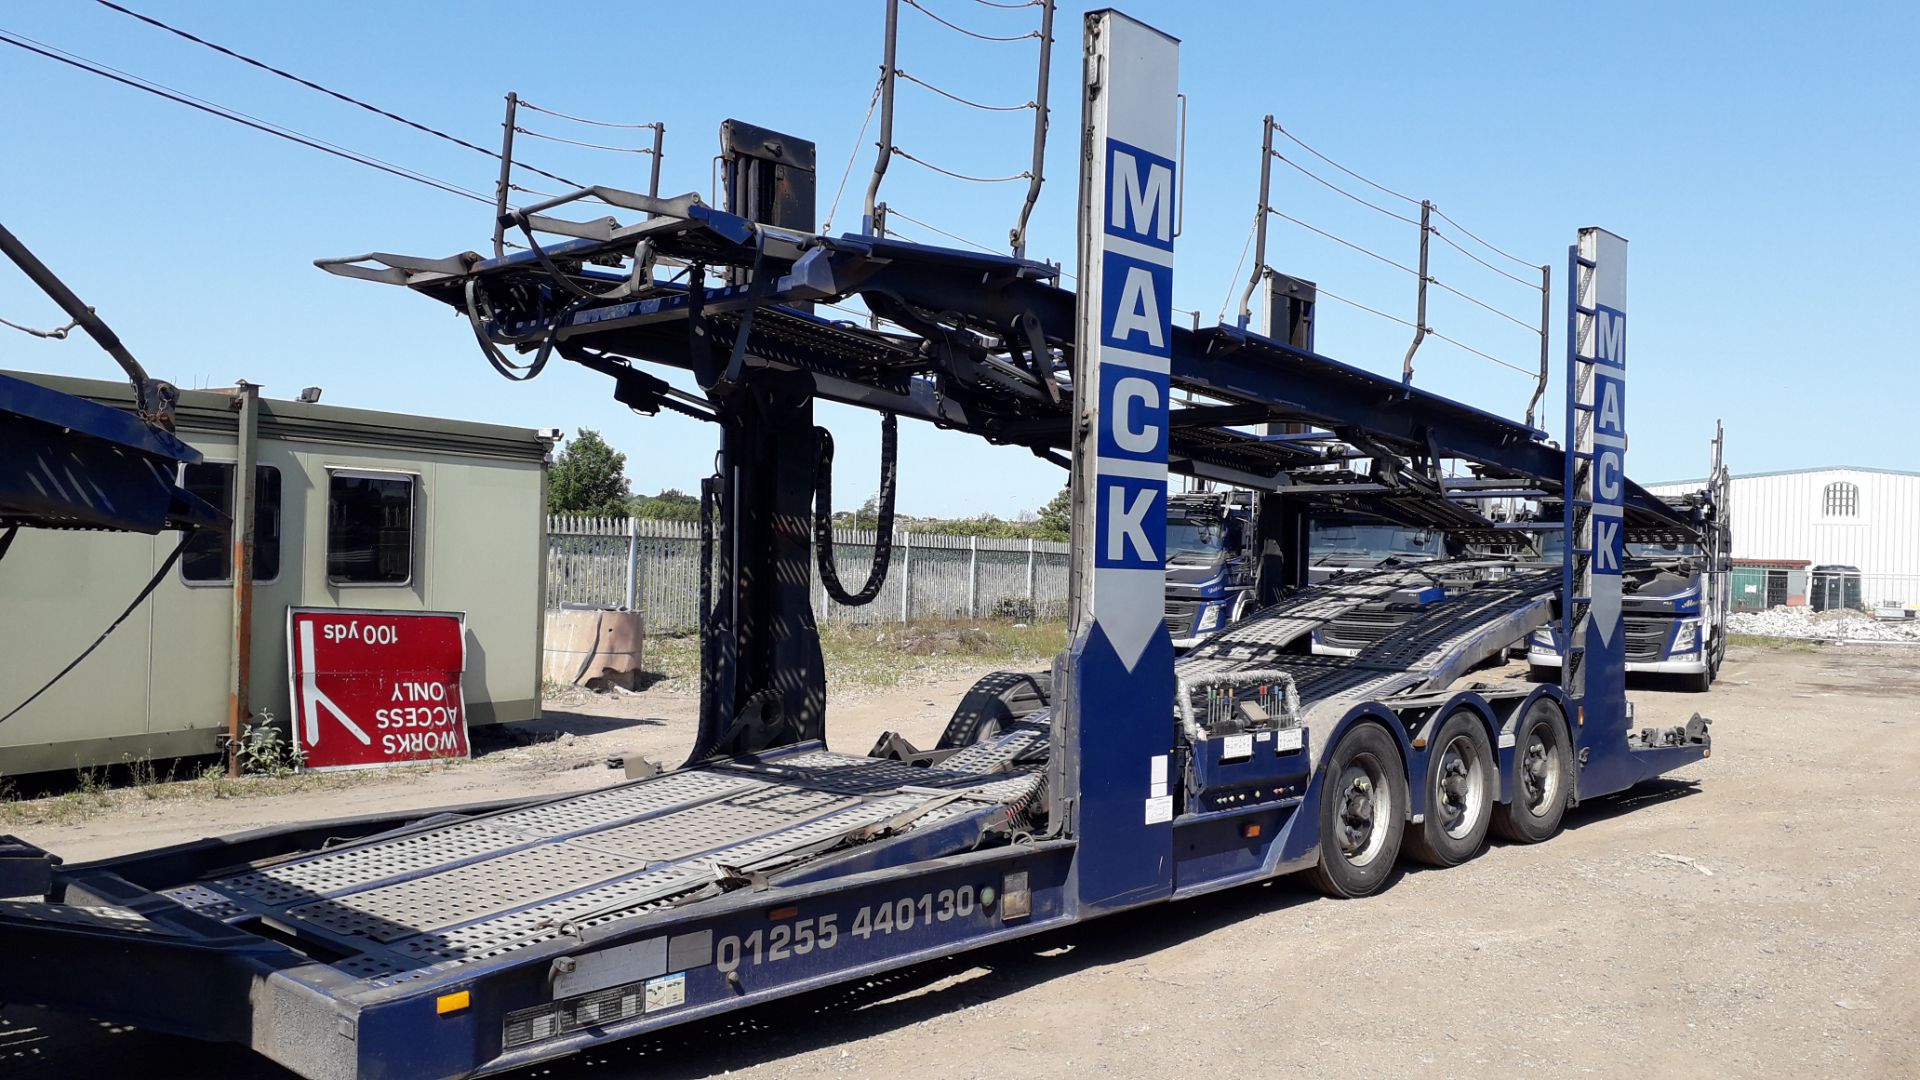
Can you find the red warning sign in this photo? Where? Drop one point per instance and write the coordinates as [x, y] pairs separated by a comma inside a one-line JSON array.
[[373, 688]]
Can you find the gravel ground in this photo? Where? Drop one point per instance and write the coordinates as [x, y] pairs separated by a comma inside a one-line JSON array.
[[1804, 623], [1752, 916]]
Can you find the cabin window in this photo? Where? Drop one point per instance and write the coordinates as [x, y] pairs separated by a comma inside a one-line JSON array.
[[370, 527], [208, 559], [1842, 499]]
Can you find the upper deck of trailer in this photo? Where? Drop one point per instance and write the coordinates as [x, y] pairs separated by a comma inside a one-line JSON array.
[[974, 341]]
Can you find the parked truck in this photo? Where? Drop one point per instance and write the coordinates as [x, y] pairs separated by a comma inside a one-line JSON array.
[[1676, 592], [1210, 564], [477, 940]]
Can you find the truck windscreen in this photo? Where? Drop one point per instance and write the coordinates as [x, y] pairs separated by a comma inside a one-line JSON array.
[[1379, 541], [1202, 538]]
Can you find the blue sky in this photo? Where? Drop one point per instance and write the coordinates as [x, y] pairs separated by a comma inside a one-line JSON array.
[[1760, 157]]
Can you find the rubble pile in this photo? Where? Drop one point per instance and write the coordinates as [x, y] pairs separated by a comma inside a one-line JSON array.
[[1802, 622]]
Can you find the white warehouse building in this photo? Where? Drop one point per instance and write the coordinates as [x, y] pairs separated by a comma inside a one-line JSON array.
[[1837, 516]]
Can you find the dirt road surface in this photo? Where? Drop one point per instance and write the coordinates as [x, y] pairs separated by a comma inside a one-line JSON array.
[[1756, 915]]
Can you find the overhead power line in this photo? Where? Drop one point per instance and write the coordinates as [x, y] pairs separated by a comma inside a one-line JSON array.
[[223, 112], [329, 91]]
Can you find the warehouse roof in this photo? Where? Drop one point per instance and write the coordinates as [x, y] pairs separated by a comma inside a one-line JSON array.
[[1792, 472]]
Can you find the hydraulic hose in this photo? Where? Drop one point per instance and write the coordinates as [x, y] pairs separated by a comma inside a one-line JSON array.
[[709, 490], [823, 516]]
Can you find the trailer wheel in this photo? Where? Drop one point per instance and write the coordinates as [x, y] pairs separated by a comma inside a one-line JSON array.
[[1542, 777], [1363, 813], [1461, 789], [997, 700]]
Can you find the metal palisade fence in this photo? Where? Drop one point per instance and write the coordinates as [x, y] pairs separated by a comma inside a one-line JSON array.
[[654, 567]]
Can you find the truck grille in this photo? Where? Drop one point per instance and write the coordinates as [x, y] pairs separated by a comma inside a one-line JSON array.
[[1180, 618], [1646, 637], [1356, 629]]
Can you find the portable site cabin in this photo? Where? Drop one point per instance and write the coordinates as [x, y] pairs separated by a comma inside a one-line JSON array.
[[353, 509]]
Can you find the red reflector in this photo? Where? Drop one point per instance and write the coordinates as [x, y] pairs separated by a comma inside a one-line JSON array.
[[782, 913]]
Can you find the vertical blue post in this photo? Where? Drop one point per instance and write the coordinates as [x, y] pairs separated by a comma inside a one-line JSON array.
[[1115, 721], [1595, 524]]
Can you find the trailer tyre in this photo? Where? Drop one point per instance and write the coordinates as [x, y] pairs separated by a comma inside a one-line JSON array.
[[1363, 813], [994, 702], [1542, 777], [1461, 786]]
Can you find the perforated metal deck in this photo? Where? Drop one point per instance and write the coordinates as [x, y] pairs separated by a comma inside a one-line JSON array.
[[407, 904], [1433, 647]]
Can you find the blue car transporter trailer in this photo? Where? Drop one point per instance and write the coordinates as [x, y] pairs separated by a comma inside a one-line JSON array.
[[477, 940]]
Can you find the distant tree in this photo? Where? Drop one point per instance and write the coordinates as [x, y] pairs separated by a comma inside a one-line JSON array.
[[671, 504], [589, 478], [1056, 518], [868, 516]]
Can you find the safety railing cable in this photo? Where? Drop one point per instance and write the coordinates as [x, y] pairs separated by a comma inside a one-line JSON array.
[[1409, 324], [1408, 199], [58, 333], [1450, 242], [874, 217], [951, 96], [1331, 186], [1021, 175], [1503, 254], [530, 106], [929, 13], [1428, 230], [852, 155], [587, 145], [894, 211], [1397, 265]]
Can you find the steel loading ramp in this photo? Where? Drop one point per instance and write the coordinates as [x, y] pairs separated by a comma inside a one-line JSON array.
[[421, 902]]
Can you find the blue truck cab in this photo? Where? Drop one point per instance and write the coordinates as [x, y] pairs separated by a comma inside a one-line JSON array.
[[1673, 607], [1210, 565], [1349, 542]]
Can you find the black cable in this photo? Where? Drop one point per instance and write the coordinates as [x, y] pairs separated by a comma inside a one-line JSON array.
[[180, 549], [823, 516], [709, 658], [224, 113], [311, 85]]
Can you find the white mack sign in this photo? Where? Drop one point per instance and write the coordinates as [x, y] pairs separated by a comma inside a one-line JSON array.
[[1126, 285]]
